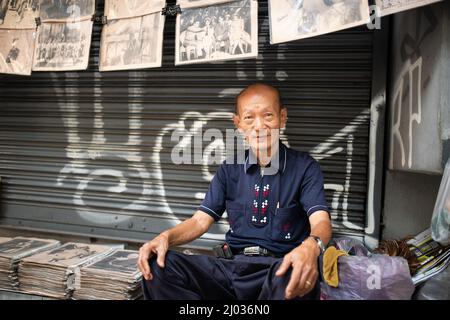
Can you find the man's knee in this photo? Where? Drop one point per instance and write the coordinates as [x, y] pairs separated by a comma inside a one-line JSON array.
[[160, 276], [169, 260], [276, 285]]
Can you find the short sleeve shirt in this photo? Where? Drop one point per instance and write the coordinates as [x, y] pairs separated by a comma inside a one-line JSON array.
[[270, 211]]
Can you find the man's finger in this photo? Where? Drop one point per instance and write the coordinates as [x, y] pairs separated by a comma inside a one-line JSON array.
[[143, 264], [307, 282], [141, 267], [284, 267], [292, 287], [161, 256]]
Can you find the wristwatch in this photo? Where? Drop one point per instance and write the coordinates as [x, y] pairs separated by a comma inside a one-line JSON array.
[[319, 243]]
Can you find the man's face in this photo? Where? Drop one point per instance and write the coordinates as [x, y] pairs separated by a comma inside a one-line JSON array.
[[260, 118]]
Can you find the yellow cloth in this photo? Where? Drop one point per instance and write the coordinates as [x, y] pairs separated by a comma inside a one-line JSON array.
[[330, 265]]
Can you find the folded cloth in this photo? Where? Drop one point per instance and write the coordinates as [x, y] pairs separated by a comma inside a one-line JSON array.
[[330, 265]]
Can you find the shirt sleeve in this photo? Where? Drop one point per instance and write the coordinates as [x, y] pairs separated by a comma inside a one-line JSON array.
[[312, 193], [214, 201]]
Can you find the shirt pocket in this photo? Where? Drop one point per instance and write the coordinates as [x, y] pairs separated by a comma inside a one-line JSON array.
[[236, 213], [287, 224]]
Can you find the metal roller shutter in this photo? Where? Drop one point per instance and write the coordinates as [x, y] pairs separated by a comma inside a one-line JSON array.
[[89, 153]]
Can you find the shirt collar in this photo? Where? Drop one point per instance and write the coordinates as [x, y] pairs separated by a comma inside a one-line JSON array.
[[250, 159]]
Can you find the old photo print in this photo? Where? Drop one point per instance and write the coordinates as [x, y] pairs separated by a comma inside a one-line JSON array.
[[16, 51], [121, 261], [221, 32], [18, 246], [200, 3], [298, 19], [66, 10], [132, 43], [62, 46], [68, 254], [18, 14], [387, 7], [118, 9]]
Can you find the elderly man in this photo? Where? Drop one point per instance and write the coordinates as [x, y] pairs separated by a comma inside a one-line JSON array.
[[278, 216]]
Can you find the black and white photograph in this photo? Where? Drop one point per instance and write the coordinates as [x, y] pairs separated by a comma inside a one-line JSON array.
[[386, 7], [68, 254], [66, 10], [62, 46], [18, 14], [19, 246], [122, 261], [299, 19], [132, 43], [16, 51], [200, 3], [220, 32], [118, 9]]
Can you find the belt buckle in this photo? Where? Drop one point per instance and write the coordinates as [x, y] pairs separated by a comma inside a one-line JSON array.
[[251, 251], [255, 251]]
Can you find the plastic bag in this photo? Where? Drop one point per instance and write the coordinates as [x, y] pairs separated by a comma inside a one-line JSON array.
[[436, 288], [369, 276], [440, 222]]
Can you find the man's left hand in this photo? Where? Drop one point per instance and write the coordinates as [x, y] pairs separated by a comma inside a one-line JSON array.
[[303, 261]]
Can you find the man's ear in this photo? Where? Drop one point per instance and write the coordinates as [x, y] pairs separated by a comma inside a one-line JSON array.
[[236, 120], [283, 117]]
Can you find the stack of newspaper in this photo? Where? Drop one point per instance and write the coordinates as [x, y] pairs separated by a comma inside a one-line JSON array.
[[432, 256], [12, 251], [56, 273], [115, 277]]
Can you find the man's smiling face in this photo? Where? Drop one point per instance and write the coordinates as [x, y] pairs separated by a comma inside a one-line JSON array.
[[260, 116]]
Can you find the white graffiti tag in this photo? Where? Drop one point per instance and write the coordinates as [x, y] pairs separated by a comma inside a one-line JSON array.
[[413, 73]]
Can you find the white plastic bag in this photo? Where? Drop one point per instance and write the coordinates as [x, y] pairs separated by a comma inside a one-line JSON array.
[[440, 222]]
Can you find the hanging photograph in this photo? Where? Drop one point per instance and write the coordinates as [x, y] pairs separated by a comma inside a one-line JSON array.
[[18, 14], [62, 46], [132, 43], [16, 51], [66, 10], [200, 3], [118, 9], [221, 32], [298, 19], [386, 7]]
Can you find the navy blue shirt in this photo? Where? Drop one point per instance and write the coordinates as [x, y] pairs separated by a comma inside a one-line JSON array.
[[271, 211]]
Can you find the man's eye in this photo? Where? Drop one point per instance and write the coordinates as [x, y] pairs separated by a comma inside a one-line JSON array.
[[269, 114], [247, 117]]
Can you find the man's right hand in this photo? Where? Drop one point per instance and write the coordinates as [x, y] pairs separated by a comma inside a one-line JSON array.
[[158, 246]]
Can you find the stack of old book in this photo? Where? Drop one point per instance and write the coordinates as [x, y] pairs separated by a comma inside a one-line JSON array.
[[12, 251], [55, 273], [114, 277]]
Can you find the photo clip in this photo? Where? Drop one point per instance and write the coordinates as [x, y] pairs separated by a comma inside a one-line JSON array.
[[100, 19], [171, 10]]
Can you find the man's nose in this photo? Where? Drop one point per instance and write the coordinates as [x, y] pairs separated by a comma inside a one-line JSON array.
[[258, 124]]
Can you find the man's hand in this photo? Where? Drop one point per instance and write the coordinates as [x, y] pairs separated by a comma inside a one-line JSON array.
[[158, 246], [303, 261]]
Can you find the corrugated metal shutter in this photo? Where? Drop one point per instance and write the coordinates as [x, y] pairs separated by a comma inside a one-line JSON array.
[[89, 153]]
